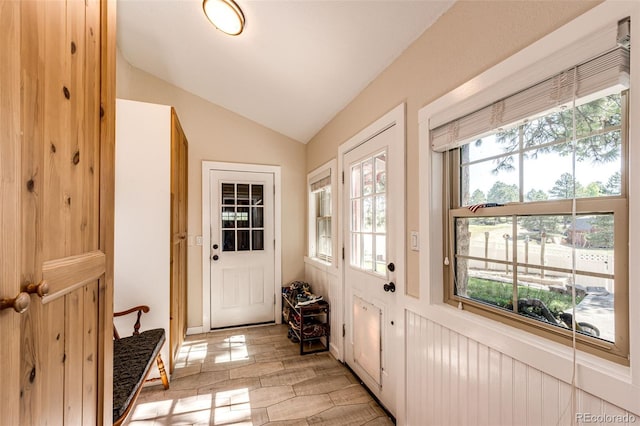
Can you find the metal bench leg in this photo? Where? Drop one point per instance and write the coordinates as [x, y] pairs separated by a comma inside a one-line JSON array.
[[163, 372]]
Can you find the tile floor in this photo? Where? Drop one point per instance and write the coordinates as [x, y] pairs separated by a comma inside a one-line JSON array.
[[256, 376]]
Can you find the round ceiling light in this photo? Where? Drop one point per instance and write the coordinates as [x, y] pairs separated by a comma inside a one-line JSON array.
[[225, 15]]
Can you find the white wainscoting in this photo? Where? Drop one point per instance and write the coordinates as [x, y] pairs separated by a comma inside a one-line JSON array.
[[324, 281], [454, 380]]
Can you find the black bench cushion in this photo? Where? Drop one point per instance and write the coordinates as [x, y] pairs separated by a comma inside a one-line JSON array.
[[132, 357]]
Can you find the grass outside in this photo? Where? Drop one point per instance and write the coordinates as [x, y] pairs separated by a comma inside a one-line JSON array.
[[501, 294]]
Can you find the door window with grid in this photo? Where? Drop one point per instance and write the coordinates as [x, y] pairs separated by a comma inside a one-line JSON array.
[[369, 214], [242, 217]]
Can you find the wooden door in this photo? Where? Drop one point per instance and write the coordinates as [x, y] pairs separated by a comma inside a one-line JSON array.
[[178, 304], [57, 209], [10, 189]]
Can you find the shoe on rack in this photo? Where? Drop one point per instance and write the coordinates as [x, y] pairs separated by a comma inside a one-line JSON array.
[[310, 301]]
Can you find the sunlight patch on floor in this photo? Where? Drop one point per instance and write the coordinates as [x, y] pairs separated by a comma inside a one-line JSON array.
[[192, 353], [193, 409], [232, 407], [233, 348]]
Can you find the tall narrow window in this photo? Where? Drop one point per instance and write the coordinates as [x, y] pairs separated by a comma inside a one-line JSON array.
[[323, 224], [320, 208], [537, 206]]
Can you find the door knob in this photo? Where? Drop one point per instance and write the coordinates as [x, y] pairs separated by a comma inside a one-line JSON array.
[[215, 257], [390, 287], [20, 303], [41, 289], [391, 267]]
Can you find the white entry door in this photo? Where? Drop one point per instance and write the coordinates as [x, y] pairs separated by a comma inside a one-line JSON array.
[[374, 208], [242, 254]]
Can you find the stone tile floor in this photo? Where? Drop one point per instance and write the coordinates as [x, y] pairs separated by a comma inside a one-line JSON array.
[[256, 376]]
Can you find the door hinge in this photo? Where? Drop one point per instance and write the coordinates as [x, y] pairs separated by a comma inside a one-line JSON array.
[[344, 330], [274, 299], [274, 244], [342, 253], [343, 178]]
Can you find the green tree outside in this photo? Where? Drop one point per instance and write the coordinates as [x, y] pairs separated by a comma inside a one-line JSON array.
[[478, 197], [502, 193]]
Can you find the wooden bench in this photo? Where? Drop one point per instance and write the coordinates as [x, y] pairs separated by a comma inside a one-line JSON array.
[[133, 357]]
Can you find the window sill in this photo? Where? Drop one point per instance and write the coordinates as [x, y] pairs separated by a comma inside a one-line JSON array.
[[321, 264]]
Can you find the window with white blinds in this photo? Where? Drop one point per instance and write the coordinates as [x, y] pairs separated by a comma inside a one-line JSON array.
[[536, 206], [600, 76]]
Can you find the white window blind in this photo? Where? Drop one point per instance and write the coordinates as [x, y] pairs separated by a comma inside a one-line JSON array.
[[595, 78], [321, 180]]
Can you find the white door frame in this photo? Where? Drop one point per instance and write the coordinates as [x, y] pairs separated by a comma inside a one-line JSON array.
[[394, 117], [207, 167]]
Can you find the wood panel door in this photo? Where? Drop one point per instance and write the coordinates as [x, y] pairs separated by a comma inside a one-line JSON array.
[[56, 163], [178, 304]]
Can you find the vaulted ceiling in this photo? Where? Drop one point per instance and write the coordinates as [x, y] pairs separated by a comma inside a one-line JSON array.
[[295, 66]]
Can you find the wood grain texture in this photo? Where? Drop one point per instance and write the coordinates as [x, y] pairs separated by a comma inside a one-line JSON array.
[[90, 390], [67, 274], [54, 73], [78, 80], [89, 160], [73, 348], [33, 145], [54, 197], [42, 351], [32, 178], [178, 250], [184, 217], [107, 45], [10, 30]]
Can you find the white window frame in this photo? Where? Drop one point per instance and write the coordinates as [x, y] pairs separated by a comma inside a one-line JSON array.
[[559, 50], [314, 176]]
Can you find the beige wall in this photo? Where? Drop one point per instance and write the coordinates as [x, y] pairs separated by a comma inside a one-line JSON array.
[[468, 39], [217, 134]]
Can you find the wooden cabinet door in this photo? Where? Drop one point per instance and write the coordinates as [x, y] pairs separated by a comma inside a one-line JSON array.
[[178, 304], [9, 208], [57, 209]]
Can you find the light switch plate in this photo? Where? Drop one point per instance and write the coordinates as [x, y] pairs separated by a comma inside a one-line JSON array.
[[415, 241]]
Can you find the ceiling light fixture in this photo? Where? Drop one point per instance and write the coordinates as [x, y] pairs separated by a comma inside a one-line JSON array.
[[225, 15]]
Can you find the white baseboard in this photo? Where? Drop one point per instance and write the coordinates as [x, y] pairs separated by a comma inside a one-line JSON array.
[[195, 330], [333, 349]]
